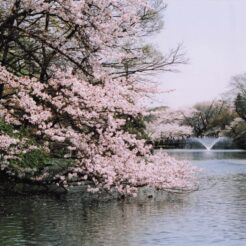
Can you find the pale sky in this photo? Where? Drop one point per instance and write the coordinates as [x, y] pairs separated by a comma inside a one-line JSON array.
[[213, 33]]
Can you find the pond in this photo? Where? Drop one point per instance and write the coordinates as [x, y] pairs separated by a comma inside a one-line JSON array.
[[213, 215]]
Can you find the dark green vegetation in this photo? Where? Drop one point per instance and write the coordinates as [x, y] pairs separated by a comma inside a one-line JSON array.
[[31, 160], [36, 158], [238, 129]]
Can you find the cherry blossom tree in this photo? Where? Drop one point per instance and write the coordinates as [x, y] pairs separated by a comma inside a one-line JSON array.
[[65, 81], [167, 123], [36, 35]]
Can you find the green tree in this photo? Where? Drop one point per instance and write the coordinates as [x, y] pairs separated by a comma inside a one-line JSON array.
[[210, 118], [240, 105]]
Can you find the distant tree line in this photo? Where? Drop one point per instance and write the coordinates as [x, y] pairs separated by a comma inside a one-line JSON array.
[[224, 117]]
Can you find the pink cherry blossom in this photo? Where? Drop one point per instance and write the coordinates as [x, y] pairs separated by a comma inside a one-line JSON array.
[[83, 110]]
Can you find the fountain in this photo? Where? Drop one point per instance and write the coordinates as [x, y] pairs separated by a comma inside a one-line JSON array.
[[209, 142]]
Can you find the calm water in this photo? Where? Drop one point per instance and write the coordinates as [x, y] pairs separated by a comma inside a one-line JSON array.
[[214, 215]]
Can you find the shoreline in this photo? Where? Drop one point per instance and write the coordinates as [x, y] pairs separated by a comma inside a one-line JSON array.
[[11, 185]]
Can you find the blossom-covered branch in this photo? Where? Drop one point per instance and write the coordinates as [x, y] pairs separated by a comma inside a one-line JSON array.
[[70, 101]]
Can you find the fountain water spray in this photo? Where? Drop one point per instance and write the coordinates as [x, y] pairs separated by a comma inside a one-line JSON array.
[[209, 142]]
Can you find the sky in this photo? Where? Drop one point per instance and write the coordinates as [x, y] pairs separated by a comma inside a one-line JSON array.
[[213, 33]]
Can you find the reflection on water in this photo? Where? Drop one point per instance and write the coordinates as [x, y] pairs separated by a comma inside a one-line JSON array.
[[201, 154], [214, 215]]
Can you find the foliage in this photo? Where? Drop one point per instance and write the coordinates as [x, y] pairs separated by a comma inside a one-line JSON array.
[[237, 128], [210, 118], [137, 126], [6, 128], [237, 131], [240, 105], [79, 85], [33, 159]]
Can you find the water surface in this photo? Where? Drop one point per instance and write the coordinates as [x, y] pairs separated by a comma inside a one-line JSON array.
[[214, 215]]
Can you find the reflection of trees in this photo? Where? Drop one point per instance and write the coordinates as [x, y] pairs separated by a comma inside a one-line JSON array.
[[235, 200], [46, 221], [218, 211]]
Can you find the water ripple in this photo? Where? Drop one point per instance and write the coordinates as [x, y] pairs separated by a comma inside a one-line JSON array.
[[214, 215]]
